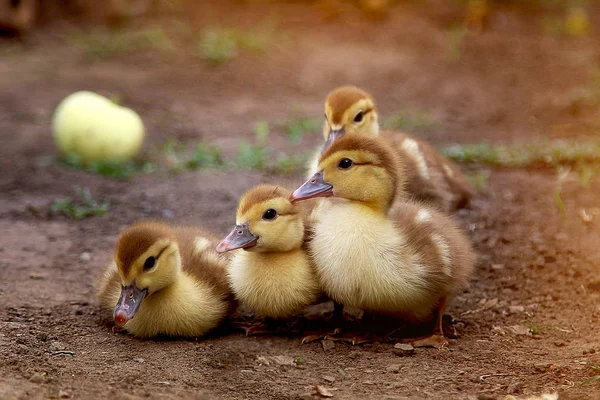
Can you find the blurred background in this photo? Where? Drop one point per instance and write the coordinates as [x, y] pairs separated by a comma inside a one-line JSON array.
[[230, 94], [213, 72]]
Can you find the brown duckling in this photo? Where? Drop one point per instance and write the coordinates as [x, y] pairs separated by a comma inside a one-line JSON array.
[[430, 177], [403, 261], [165, 281]]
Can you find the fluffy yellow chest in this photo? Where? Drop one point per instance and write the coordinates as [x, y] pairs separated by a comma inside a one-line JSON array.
[[187, 307], [363, 260], [273, 284]]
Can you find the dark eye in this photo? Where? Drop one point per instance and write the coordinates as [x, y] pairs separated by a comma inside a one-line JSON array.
[[149, 263], [359, 117], [345, 163], [269, 214]]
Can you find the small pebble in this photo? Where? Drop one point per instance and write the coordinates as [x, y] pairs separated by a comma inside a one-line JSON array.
[[393, 368], [327, 344], [403, 349], [328, 378], [63, 394], [37, 378], [85, 256]]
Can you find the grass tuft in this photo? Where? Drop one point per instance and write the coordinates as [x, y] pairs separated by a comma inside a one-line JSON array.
[[83, 206], [102, 44], [296, 127], [220, 45], [111, 169], [541, 153], [480, 179], [403, 121]]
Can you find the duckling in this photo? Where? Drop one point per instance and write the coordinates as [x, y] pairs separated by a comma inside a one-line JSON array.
[[165, 281], [273, 274], [405, 260], [429, 176]]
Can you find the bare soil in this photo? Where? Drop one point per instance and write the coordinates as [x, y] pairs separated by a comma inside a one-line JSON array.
[[527, 325]]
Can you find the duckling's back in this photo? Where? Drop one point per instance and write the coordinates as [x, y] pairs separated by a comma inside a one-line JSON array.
[[430, 177]]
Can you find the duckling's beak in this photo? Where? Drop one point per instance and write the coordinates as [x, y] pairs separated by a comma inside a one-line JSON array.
[[239, 238], [334, 134], [314, 187], [128, 304]]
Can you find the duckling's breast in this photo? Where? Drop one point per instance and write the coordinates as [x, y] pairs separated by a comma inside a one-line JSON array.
[[363, 260], [273, 284]]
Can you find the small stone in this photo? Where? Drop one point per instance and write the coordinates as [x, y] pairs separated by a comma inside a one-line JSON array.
[[323, 392], [283, 360], [328, 344], [328, 378], [393, 368], [85, 256], [514, 388], [516, 309], [497, 267], [518, 330], [57, 346], [139, 360], [560, 344], [403, 349], [37, 378], [63, 394]]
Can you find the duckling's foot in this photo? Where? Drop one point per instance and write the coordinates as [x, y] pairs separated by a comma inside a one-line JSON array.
[[436, 340]]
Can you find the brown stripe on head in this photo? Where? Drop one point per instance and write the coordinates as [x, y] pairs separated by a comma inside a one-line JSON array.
[[341, 99], [260, 194], [136, 239], [382, 151]]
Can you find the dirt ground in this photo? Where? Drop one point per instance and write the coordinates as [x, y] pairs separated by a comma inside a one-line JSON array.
[[527, 325]]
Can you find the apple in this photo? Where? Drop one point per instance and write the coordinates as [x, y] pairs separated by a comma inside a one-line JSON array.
[[93, 128]]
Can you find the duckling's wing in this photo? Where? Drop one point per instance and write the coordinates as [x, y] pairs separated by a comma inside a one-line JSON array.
[[442, 249], [430, 176], [200, 258]]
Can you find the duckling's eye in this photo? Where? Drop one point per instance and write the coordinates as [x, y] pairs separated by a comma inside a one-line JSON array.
[[149, 263], [359, 117], [345, 163], [269, 214]]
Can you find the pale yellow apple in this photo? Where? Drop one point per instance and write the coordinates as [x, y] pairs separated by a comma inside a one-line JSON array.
[[94, 128]]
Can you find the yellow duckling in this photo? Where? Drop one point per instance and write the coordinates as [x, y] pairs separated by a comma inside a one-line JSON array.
[[165, 281], [273, 274], [403, 261], [429, 176]]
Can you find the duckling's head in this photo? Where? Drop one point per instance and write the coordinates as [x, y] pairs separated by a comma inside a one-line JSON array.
[[266, 221], [147, 258], [362, 168], [349, 110]]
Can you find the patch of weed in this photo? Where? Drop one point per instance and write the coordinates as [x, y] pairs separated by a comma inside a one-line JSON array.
[[418, 121], [111, 169], [296, 127], [480, 179], [206, 156], [102, 44], [455, 43], [83, 206], [540, 153], [290, 163], [220, 45]]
